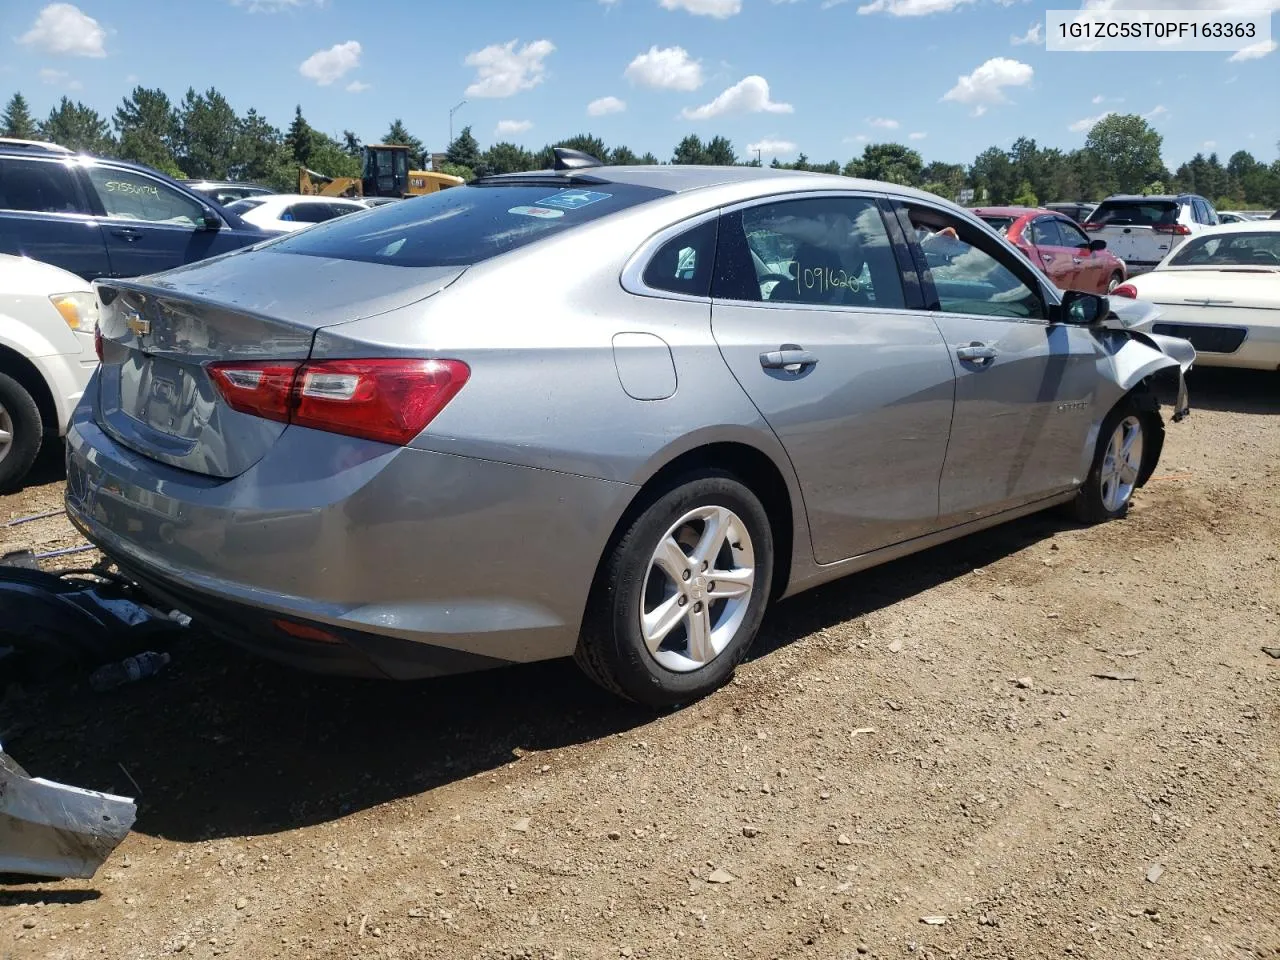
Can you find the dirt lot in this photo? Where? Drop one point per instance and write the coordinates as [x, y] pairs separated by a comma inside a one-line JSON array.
[[928, 740]]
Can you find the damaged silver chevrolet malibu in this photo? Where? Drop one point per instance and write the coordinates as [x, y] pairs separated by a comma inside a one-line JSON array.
[[607, 412]]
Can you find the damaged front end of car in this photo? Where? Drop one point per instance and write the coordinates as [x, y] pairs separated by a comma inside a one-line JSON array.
[[1137, 355], [50, 829]]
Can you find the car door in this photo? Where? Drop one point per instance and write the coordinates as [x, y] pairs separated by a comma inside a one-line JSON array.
[[45, 215], [1055, 259], [148, 225], [1092, 269], [1025, 388], [811, 314]]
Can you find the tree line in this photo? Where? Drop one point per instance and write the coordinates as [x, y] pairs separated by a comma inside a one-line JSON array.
[[203, 136]]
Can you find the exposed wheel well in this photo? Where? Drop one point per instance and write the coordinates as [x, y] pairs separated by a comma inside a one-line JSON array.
[[1143, 397], [25, 372], [748, 465]]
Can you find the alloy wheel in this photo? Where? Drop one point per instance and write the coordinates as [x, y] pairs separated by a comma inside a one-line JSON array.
[[6, 432], [1121, 463], [697, 588]]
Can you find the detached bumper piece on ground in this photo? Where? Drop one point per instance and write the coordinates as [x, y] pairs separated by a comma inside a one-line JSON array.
[[53, 830]]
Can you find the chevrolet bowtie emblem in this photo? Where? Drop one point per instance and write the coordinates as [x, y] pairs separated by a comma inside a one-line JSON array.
[[137, 325]]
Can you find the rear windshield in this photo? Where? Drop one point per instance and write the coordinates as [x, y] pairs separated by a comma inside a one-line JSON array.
[[1000, 224], [465, 225], [1260, 249], [1135, 213]]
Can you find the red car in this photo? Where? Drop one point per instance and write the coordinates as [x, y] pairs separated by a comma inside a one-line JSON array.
[[1059, 247]]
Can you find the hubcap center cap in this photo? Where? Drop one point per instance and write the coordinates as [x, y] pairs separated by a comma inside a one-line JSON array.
[[698, 588]]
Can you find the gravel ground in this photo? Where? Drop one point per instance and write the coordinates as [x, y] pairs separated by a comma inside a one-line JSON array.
[[1040, 741]]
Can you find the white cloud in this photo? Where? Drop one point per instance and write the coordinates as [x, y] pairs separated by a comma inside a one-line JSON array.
[[1099, 99], [1033, 36], [274, 6], [911, 8], [774, 148], [1159, 110], [358, 86], [1209, 144], [986, 85], [665, 68], [748, 95], [705, 8], [503, 71], [508, 127], [917, 136], [326, 66], [59, 78], [605, 106], [1085, 124], [1253, 51], [884, 123], [1167, 6], [64, 28], [607, 3]]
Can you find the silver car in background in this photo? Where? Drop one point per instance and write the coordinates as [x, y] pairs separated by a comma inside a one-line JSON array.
[[608, 412]]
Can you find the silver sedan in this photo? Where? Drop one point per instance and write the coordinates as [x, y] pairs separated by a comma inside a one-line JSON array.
[[607, 412]]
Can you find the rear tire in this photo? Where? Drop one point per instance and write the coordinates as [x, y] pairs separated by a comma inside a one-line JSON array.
[[21, 432], [1114, 282], [1121, 463], [681, 593]]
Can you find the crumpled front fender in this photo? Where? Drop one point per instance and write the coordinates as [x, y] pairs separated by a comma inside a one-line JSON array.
[[1137, 356]]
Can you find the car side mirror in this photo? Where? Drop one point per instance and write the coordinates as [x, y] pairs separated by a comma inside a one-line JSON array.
[[1098, 244], [210, 220], [1083, 309]]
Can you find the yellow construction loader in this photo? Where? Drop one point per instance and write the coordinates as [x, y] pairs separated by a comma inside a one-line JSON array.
[[385, 173]]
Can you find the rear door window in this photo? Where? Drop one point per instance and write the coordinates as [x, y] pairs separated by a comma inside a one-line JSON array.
[[38, 187], [468, 224], [1135, 213], [1044, 233], [126, 195]]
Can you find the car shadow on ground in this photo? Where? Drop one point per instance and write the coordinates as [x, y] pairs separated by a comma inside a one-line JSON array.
[[225, 744], [1233, 391]]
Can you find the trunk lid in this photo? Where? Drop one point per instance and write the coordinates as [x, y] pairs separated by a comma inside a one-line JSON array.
[[159, 333]]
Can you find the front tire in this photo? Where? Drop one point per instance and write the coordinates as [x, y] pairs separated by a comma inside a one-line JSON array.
[[1114, 282], [681, 594], [1118, 465], [21, 432]]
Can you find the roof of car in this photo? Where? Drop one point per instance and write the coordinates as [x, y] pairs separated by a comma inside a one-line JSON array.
[[1009, 211], [1248, 226], [1152, 197]]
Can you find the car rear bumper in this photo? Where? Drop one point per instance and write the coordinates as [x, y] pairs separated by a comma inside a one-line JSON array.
[[413, 563], [1258, 350]]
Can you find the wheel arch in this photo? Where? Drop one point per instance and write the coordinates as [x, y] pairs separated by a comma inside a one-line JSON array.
[[32, 380]]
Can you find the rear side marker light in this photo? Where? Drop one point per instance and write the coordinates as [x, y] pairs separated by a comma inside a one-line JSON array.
[[385, 399], [1126, 290], [304, 632]]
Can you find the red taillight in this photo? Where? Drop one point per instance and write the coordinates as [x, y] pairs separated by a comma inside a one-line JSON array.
[[389, 400], [262, 389], [1126, 290], [1177, 229], [97, 341], [1092, 226]]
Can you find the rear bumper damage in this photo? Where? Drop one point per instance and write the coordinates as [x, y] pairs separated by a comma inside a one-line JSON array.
[[50, 829]]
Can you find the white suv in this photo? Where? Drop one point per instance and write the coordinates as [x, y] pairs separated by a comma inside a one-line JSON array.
[[1142, 231], [47, 322]]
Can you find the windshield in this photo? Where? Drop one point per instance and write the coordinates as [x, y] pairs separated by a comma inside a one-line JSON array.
[[1135, 213], [465, 225], [1261, 249], [999, 224]]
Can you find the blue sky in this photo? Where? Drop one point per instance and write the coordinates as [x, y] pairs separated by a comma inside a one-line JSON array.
[[950, 77]]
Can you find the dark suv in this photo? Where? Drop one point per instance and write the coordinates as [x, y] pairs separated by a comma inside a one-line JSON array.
[[107, 218]]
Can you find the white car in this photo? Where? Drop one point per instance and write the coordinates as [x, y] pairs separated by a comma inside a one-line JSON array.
[[47, 322], [1142, 231], [285, 212], [1221, 291]]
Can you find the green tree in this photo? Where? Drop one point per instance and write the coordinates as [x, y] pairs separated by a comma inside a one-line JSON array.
[[16, 121], [261, 155], [1128, 149], [329, 157], [831, 166], [398, 133], [351, 143], [623, 157], [890, 162], [148, 128], [301, 138], [944, 179], [992, 176], [1026, 196], [648, 160], [207, 128], [505, 158], [78, 127], [464, 151], [457, 170], [689, 151], [719, 153]]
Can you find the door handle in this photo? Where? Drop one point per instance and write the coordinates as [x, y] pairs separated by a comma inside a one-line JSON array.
[[1047, 257], [790, 358], [976, 352], [126, 233]]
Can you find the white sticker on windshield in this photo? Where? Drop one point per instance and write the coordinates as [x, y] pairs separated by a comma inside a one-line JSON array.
[[542, 213]]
